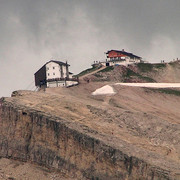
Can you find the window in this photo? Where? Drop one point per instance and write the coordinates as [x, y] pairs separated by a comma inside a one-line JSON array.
[[47, 68], [53, 67], [48, 74], [53, 73]]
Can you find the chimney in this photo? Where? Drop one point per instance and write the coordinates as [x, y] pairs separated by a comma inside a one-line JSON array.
[[123, 50], [67, 70]]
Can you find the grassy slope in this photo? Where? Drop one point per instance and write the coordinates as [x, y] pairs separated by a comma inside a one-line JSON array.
[[166, 91], [86, 71], [142, 72], [139, 73]]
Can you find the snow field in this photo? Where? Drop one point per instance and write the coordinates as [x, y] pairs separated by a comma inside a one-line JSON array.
[[104, 90], [108, 90]]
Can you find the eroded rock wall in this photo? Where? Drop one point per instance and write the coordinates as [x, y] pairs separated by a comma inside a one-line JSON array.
[[30, 135]]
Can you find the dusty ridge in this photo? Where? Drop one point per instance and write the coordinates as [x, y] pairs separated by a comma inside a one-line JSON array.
[[137, 124]]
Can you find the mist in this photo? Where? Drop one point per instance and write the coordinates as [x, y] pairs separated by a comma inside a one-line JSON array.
[[34, 31]]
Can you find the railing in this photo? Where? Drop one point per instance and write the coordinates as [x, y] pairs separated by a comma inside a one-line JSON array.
[[63, 79]]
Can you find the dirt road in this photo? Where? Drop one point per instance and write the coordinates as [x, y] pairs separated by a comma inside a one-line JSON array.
[[91, 73]]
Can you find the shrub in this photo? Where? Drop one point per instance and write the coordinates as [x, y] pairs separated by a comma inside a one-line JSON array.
[[109, 68], [145, 67], [87, 71], [166, 91], [131, 73], [159, 66]]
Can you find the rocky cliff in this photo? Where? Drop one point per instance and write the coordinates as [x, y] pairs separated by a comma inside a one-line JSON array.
[[30, 133]]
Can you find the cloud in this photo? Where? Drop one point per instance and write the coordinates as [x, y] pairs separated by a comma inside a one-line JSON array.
[[162, 48], [34, 31]]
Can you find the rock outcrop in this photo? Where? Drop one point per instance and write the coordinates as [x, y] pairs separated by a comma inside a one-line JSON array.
[[30, 135]]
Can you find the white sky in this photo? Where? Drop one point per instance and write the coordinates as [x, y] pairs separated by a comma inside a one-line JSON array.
[[34, 31]]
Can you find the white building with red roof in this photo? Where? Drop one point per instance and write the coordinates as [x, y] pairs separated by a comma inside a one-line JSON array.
[[116, 57]]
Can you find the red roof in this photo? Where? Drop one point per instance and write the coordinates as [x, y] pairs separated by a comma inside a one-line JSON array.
[[131, 55]]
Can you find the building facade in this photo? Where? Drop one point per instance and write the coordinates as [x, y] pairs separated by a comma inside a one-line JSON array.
[[116, 57], [54, 74]]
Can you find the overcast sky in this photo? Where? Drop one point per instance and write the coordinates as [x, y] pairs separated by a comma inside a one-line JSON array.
[[34, 31]]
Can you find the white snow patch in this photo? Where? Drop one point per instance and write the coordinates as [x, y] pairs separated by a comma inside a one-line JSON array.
[[154, 85], [104, 90]]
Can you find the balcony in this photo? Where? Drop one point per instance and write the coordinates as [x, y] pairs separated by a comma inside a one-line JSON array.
[[63, 79]]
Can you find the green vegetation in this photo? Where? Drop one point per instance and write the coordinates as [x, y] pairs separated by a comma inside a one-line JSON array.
[[98, 75], [107, 69], [159, 65], [145, 67], [131, 73], [166, 91], [147, 79], [88, 71]]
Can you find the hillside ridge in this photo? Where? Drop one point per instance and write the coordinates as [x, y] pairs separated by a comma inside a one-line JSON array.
[[141, 72], [132, 134]]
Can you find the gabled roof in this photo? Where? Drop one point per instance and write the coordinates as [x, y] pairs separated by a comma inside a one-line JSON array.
[[125, 53], [58, 62]]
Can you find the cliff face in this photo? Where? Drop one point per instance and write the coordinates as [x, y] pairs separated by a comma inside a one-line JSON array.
[[29, 135]]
